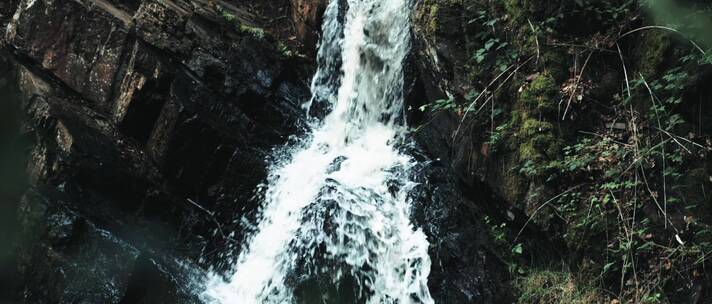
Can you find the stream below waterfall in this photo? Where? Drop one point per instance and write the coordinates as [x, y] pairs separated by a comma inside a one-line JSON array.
[[335, 222]]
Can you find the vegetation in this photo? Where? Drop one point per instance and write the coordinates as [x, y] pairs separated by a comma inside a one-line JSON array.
[[595, 109], [230, 18]]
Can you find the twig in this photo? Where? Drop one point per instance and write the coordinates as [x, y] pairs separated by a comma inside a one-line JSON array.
[[539, 209], [673, 137], [578, 81], [212, 217], [580, 46], [627, 234], [640, 158], [663, 28], [650, 191], [625, 70], [685, 139], [469, 108], [662, 148], [273, 20], [536, 40], [604, 137]]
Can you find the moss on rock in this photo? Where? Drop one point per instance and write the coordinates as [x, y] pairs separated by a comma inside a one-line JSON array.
[[538, 141], [434, 14], [537, 138], [540, 94], [518, 9], [651, 52], [556, 287]]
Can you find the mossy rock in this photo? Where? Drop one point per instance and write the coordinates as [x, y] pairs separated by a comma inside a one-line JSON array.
[[651, 52], [539, 141], [517, 9], [538, 138], [512, 186], [440, 16], [532, 127], [522, 11], [539, 148], [554, 61], [556, 287], [540, 95], [254, 31]]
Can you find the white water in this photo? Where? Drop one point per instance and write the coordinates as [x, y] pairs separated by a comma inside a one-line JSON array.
[[336, 207]]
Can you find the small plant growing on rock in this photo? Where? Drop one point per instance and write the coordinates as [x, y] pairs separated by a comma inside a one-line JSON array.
[[230, 18]]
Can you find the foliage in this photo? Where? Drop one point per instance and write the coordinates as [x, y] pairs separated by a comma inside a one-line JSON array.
[[540, 95], [605, 11], [620, 185], [634, 195], [440, 105], [253, 31], [553, 287], [494, 51], [509, 253], [230, 18]]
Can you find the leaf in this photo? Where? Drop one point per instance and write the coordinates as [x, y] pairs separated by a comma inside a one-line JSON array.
[[518, 249], [608, 266], [679, 240], [489, 44]]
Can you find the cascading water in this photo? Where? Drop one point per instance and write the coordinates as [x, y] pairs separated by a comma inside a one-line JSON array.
[[335, 226]]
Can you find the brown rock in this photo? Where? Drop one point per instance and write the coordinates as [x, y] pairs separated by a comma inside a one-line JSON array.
[[307, 18], [82, 45]]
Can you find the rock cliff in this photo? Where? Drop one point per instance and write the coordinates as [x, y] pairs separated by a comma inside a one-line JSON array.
[[147, 126]]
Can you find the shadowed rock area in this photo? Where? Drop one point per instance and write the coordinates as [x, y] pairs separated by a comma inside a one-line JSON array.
[[130, 109]]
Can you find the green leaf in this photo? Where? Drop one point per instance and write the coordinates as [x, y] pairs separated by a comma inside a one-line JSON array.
[[518, 249], [608, 266]]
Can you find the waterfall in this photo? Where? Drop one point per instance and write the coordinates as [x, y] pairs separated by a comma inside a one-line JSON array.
[[335, 226]]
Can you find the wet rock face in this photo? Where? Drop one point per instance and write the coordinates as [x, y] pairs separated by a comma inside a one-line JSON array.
[[72, 259], [82, 49], [463, 269], [67, 258], [135, 106], [451, 202], [132, 108], [7, 8]]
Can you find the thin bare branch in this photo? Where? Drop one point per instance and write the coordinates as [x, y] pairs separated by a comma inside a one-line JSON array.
[[662, 147], [697, 46], [469, 108], [576, 86], [212, 217], [539, 209], [625, 70]]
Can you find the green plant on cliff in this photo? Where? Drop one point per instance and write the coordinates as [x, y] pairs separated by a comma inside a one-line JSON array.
[[540, 95], [493, 51], [635, 195], [538, 140], [605, 11], [508, 252], [555, 287], [623, 195], [623, 184], [555, 15], [253, 31], [440, 105], [230, 18]]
